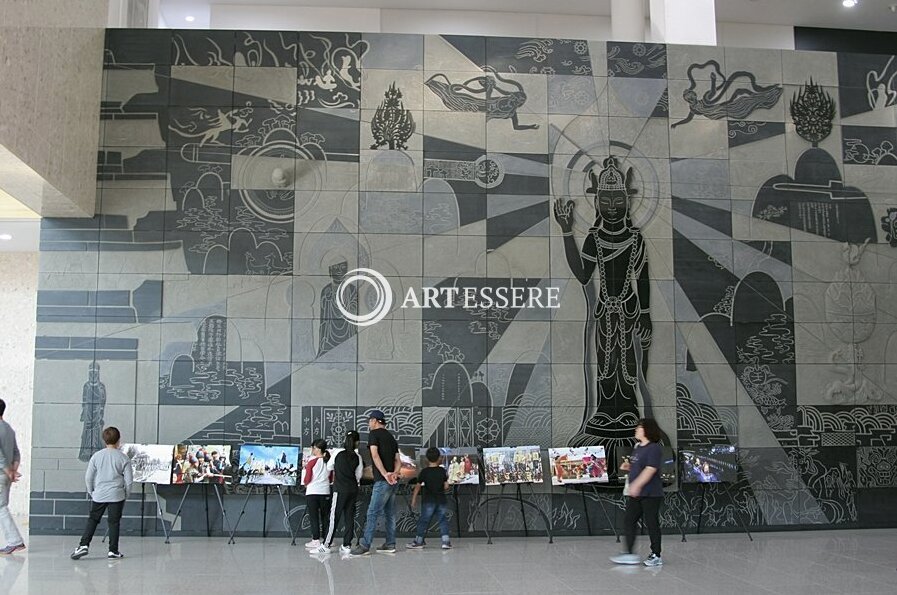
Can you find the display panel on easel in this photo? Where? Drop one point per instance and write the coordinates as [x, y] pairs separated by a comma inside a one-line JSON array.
[[201, 463], [584, 464], [150, 463], [263, 464], [462, 465], [711, 464], [513, 464]]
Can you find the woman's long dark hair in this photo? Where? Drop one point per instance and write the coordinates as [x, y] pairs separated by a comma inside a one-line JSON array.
[[651, 429], [321, 445], [349, 446]]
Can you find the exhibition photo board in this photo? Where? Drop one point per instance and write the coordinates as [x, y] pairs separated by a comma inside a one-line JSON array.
[[410, 468], [462, 465], [711, 464], [513, 464], [201, 463], [575, 465], [150, 463], [274, 465]]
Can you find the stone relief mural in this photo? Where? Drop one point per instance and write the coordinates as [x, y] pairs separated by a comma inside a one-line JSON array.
[[720, 229]]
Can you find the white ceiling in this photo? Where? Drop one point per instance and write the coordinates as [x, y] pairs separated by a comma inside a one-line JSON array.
[[868, 14]]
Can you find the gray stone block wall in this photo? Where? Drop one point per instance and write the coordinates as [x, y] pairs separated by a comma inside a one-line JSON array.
[[718, 222]]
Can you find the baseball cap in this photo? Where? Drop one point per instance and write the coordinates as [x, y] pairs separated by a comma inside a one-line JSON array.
[[377, 414]]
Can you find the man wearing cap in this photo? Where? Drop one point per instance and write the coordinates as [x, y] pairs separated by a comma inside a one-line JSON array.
[[385, 454]]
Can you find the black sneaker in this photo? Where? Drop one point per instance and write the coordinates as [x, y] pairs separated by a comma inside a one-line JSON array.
[[115, 555], [413, 545], [360, 550], [387, 548], [79, 552], [653, 560]]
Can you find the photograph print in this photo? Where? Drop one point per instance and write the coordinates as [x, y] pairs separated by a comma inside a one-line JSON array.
[[513, 464], [151, 463], [410, 467], [262, 464], [462, 465], [709, 464], [201, 463], [583, 464]]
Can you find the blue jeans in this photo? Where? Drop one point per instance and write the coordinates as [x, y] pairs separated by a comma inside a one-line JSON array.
[[427, 509], [383, 501]]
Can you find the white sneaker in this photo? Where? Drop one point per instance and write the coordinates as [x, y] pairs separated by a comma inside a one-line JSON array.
[[345, 549], [322, 549], [313, 544]]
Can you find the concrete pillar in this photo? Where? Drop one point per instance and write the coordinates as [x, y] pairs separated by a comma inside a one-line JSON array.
[[51, 68], [687, 22], [627, 20]]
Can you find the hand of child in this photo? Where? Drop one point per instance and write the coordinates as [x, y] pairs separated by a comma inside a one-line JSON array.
[[413, 503]]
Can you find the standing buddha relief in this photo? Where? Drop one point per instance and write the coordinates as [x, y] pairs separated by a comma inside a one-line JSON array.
[[613, 256]]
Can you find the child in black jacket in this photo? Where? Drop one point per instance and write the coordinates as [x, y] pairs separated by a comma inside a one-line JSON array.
[[347, 467]]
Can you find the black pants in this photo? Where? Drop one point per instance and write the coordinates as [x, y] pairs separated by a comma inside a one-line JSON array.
[[318, 513], [342, 507], [113, 519], [647, 509]]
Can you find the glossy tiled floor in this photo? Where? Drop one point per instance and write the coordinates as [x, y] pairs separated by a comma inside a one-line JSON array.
[[808, 562]]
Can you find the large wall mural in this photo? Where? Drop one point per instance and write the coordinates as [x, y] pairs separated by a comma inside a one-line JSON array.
[[720, 224]]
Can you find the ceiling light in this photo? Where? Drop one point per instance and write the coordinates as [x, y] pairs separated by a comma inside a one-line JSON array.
[[849, 3], [5, 237], [191, 19]]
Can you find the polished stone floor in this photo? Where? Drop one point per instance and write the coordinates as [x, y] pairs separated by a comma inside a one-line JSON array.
[[806, 562]]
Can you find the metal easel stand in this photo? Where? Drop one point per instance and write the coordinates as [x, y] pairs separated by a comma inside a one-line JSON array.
[[225, 520], [703, 488], [283, 504], [456, 490], [286, 515], [597, 493], [518, 497], [740, 515], [165, 530], [240, 518]]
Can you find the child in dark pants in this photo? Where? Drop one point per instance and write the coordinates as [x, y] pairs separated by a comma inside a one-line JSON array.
[[347, 468], [433, 482], [316, 479], [108, 480]]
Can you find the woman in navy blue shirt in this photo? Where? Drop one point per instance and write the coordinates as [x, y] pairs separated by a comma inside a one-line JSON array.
[[645, 493]]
